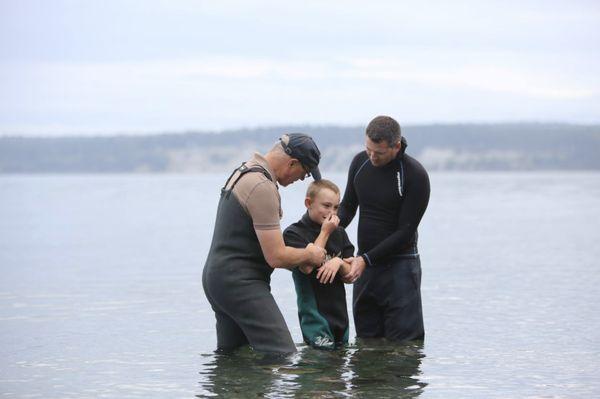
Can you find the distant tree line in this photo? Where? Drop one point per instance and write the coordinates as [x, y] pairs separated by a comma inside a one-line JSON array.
[[438, 147]]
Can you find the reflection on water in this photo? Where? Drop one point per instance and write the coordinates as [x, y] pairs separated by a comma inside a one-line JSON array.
[[368, 369], [101, 294]]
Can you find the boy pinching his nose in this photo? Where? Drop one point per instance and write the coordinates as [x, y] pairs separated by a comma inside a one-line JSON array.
[[321, 295]]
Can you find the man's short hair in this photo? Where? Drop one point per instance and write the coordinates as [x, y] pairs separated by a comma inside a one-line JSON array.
[[384, 128], [316, 186]]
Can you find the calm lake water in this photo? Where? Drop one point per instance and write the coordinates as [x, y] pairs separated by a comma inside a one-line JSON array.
[[101, 296]]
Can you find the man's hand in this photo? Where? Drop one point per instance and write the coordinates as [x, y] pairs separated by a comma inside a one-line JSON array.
[[326, 273], [357, 268], [316, 253], [330, 224]]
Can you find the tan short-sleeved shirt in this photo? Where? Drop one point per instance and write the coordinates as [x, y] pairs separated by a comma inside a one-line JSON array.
[[259, 196]]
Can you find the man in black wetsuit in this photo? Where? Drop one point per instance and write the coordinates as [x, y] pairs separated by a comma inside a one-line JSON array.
[[392, 190]]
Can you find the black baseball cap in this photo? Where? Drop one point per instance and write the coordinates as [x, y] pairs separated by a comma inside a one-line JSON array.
[[302, 147]]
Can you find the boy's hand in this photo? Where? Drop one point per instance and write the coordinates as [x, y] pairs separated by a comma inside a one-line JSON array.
[[330, 224], [326, 273]]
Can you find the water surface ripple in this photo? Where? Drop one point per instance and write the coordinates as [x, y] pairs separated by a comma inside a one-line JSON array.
[[101, 295]]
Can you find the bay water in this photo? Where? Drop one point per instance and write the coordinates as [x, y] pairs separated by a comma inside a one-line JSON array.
[[101, 295]]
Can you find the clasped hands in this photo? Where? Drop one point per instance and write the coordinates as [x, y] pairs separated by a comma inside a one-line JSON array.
[[328, 269]]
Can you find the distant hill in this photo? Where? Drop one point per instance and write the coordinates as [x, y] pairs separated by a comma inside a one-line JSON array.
[[439, 147]]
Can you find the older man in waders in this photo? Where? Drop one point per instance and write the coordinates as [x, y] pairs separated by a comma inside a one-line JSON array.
[[248, 244]]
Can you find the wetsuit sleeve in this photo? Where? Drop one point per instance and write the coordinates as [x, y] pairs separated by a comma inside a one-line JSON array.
[[293, 239], [347, 247], [349, 203], [414, 206]]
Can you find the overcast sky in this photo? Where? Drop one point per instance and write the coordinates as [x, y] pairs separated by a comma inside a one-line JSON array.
[[104, 67]]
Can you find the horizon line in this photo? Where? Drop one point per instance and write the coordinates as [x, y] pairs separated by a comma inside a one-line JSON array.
[[79, 133]]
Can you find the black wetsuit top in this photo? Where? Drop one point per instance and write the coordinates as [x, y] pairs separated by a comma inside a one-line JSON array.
[[322, 308], [392, 200]]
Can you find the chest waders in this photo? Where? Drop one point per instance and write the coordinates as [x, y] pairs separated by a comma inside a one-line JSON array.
[[236, 280]]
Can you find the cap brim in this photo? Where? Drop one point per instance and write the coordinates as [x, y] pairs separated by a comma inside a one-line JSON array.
[[315, 173]]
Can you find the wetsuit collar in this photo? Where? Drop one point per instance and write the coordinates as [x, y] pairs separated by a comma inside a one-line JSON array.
[[403, 145], [308, 222], [258, 159]]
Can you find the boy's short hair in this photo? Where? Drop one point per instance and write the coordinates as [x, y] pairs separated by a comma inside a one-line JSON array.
[[316, 186]]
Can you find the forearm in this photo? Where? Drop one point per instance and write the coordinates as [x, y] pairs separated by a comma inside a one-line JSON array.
[[279, 255], [399, 239], [413, 209], [289, 258], [321, 240], [345, 268]]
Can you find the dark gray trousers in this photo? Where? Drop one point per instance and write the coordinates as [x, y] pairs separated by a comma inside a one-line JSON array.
[[387, 301]]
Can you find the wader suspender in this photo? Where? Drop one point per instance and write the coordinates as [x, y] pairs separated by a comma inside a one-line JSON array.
[[243, 169]]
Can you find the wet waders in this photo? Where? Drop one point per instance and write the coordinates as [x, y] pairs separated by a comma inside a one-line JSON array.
[[236, 280]]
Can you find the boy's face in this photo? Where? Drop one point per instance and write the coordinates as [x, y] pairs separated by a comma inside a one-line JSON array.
[[325, 203]]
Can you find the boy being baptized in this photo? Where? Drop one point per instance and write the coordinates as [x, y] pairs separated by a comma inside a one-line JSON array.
[[321, 295]]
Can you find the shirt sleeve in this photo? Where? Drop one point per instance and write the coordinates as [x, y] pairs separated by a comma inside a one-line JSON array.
[[414, 206], [263, 206], [293, 239]]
